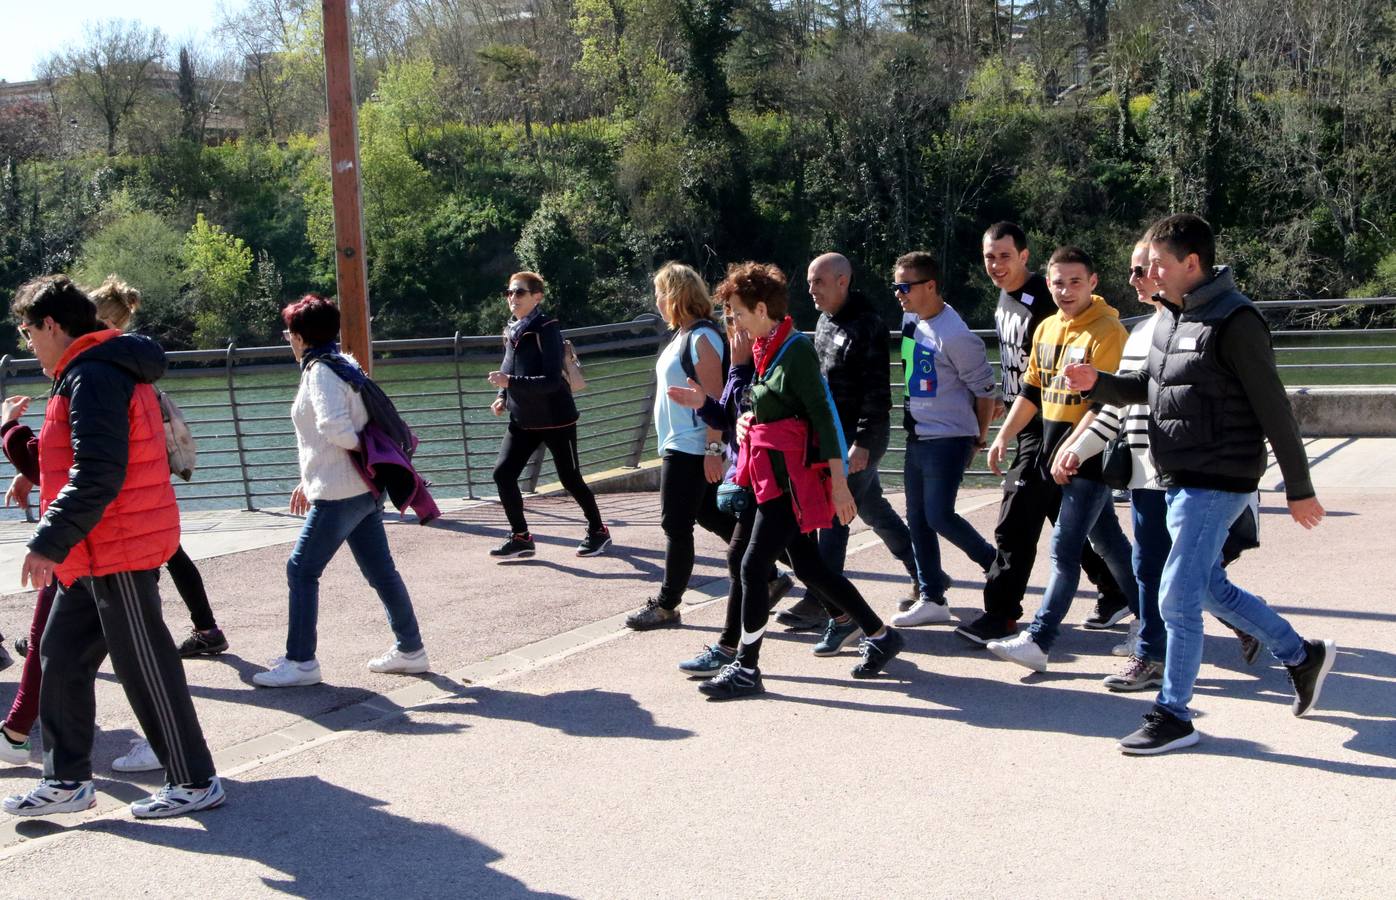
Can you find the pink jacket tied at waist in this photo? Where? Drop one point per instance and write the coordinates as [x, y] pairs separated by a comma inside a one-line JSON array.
[[811, 492]]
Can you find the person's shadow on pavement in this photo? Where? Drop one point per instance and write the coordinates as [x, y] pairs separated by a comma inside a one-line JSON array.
[[580, 713], [323, 840]]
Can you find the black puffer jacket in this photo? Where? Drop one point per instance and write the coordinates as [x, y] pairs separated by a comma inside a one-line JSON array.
[[855, 359], [538, 395]]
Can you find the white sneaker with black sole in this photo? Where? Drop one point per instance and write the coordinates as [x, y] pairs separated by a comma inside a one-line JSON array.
[[52, 796], [179, 799]]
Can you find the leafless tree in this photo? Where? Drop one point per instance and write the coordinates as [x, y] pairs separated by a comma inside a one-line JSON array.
[[111, 71]]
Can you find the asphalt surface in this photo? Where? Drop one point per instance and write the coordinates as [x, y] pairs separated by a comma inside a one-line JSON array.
[[557, 754]]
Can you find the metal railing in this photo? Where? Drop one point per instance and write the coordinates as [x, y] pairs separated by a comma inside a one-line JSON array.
[[1373, 356], [237, 401]]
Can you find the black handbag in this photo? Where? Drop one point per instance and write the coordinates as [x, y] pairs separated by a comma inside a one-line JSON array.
[[1117, 463]]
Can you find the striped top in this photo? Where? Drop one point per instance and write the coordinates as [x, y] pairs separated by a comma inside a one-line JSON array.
[[1134, 419]]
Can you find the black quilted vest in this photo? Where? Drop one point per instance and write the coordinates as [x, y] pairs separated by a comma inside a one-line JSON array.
[[1203, 431]]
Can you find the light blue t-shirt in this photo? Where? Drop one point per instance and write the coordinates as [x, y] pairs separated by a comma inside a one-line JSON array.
[[679, 428]]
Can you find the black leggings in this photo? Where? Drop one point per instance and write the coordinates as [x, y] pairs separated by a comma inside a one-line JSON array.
[[190, 585], [520, 444], [685, 499], [760, 538]]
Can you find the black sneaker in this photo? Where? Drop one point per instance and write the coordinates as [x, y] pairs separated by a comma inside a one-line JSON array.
[[652, 616], [1308, 676], [805, 615], [594, 544], [1162, 731], [778, 587], [203, 644], [731, 683], [987, 628], [877, 653], [22, 646], [518, 546], [1250, 647], [1110, 610]]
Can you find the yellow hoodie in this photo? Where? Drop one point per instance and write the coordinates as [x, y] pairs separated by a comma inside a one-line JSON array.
[[1094, 336]]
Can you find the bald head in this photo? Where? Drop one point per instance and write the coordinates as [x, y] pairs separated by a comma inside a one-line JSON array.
[[829, 277]]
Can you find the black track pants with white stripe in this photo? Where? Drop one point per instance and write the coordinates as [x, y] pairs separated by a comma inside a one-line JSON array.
[[117, 614]]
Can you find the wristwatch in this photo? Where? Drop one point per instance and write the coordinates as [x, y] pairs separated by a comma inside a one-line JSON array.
[[714, 449]]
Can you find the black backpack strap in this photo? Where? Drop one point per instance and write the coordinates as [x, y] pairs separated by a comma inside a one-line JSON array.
[[686, 356]]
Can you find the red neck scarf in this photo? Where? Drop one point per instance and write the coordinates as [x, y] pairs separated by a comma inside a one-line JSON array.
[[764, 348]]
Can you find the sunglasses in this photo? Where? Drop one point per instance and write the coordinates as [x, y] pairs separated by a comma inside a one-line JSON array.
[[904, 287], [1136, 273], [24, 333], [286, 335], [519, 291]]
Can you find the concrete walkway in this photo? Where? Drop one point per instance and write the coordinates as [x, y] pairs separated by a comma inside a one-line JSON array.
[[560, 755]]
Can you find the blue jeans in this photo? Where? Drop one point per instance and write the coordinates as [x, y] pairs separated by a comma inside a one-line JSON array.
[[357, 521], [1086, 514], [1151, 546], [1193, 580], [934, 469], [873, 508]]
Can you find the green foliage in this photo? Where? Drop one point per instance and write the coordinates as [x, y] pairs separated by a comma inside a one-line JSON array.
[[218, 266], [144, 250], [599, 138]]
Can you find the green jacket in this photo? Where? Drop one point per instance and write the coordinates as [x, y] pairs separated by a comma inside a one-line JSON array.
[[794, 388]]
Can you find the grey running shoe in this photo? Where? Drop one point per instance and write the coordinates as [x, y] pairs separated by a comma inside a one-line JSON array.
[[652, 616], [1139, 674]]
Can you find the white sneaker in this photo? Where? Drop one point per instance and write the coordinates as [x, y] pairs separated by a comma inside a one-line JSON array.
[[140, 758], [178, 799], [287, 673], [1130, 646], [12, 754], [1021, 649], [50, 796], [399, 663], [923, 612]]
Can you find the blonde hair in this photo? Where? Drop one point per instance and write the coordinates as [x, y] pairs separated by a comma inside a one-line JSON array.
[[686, 294], [116, 302]]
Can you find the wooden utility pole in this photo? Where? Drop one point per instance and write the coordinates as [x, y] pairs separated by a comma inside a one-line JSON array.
[[351, 271]]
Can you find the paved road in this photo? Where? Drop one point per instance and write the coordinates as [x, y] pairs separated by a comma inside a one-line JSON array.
[[559, 755]]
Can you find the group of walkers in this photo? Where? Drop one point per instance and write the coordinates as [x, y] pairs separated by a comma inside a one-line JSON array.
[[791, 441], [768, 439]]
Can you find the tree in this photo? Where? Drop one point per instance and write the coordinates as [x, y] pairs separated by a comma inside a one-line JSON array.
[[142, 249], [113, 70], [218, 267], [26, 131]]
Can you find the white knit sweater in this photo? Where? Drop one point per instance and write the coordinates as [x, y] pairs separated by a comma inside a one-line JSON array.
[[328, 416]]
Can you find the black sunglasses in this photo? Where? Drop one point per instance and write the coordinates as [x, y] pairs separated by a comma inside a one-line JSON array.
[[904, 287], [1136, 273], [520, 291]]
